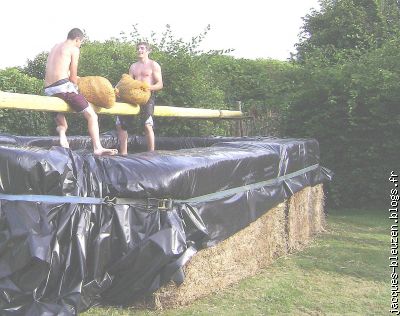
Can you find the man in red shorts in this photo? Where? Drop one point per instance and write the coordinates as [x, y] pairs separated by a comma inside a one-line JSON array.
[[61, 81]]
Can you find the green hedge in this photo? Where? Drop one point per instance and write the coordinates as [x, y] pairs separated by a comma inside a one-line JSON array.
[[20, 122]]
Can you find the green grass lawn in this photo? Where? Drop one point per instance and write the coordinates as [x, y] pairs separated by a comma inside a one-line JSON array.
[[344, 271]]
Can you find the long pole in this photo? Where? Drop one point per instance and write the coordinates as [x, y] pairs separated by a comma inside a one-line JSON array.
[[18, 101]]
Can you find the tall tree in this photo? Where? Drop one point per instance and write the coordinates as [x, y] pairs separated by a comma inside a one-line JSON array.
[[343, 29], [390, 10], [349, 52]]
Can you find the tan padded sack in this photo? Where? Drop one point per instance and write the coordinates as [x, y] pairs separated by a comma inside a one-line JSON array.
[[132, 91], [97, 90]]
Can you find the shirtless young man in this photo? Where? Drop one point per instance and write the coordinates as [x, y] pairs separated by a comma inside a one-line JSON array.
[[149, 71], [61, 81]]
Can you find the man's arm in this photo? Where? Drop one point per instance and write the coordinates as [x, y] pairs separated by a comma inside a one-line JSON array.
[[157, 78], [131, 69], [73, 67]]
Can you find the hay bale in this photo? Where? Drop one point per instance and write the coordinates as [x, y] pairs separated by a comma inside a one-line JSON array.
[[97, 90], [132, 91], [299, 219], [318, 222], [230, 261], [287, 227], [305, 216]]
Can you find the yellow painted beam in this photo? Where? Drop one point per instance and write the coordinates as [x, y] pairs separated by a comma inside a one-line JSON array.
[[185, 112], [33, 102], [230, 114]]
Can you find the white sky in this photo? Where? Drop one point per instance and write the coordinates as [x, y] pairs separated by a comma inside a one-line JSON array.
[[254, 28]]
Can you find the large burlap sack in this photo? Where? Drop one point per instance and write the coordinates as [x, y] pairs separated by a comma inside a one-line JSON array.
[[97, 90], [132, 91]]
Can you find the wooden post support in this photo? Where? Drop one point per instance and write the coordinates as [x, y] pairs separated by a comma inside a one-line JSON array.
[[239, 123]]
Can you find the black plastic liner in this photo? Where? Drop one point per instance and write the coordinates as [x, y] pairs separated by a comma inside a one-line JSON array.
[[77, 229]]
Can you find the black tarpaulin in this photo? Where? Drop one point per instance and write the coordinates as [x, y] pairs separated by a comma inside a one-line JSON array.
[[78, 229]]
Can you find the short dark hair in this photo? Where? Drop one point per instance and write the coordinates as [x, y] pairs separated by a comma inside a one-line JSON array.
[[75, 33], [148, 47]]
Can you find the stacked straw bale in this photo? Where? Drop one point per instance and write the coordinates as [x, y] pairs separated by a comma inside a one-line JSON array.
[[305, 216], [287, 227], [318, 222]]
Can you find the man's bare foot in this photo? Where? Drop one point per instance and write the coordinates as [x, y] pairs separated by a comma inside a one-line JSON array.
[[63, 141], [63, 137], [105, 152]]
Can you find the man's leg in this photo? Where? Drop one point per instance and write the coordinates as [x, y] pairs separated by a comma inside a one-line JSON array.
[[123, 140], [146, 113], [149, 134], [93, 128], [61, 128]]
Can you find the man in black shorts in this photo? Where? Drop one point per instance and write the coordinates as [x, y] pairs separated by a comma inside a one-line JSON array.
[[149, 71], [145, 117], [61, 81]]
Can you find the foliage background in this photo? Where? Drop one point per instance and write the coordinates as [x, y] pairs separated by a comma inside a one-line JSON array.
[[342, 87]]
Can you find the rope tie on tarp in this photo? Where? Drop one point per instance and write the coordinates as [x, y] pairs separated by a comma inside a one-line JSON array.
[[249, 187], [55, 199], [162, 204]]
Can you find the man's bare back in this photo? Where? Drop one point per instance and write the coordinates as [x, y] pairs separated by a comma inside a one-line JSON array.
[[59, 61], [60, 81]]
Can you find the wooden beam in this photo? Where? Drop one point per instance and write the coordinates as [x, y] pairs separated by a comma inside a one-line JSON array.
[[33, 102], [18, 101]]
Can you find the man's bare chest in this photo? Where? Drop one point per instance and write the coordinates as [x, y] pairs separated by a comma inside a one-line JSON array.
[[142, 72]]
